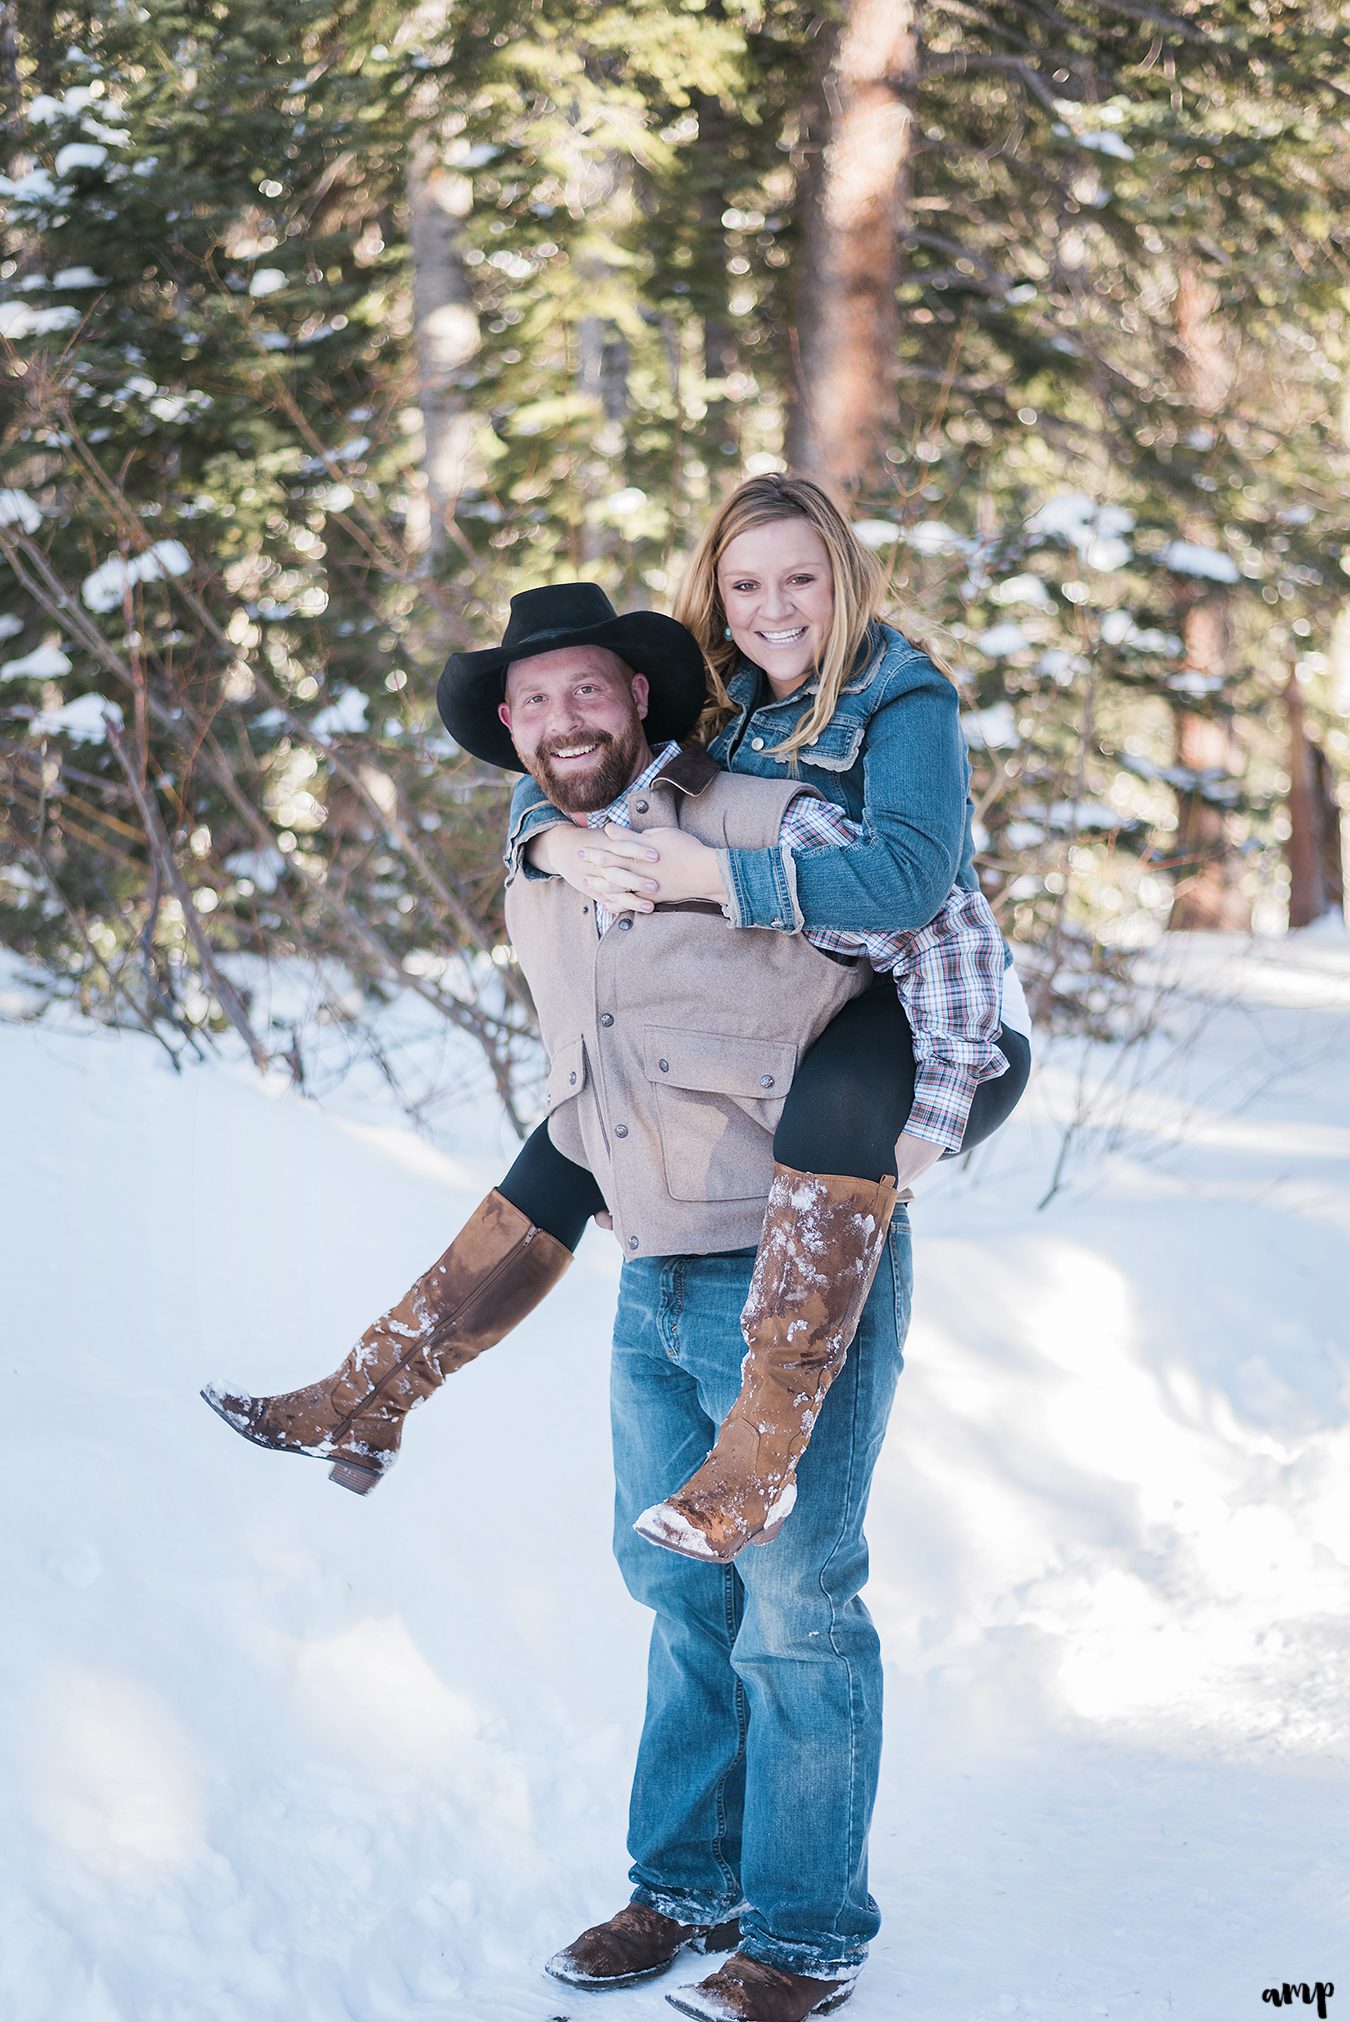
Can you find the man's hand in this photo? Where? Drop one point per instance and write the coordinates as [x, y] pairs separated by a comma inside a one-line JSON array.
[[913, 1156]]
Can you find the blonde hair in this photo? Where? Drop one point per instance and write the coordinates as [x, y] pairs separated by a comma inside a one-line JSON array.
[[857, 595]]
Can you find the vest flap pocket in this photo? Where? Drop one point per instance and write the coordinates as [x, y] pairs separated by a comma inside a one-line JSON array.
[[754, 1070], [566, 1071]]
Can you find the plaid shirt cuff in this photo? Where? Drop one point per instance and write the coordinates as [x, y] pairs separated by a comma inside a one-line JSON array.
[[943, 1093]]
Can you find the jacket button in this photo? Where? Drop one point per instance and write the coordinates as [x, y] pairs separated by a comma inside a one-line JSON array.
[[664, 1066], [757, 744], [640, 806], [778, 923], [632, 1242], [766, 1081], [621, 1130], [585, 909], [625, 924], [606, 1018], [572, 1079]]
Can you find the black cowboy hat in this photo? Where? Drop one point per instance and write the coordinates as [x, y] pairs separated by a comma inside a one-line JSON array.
[[572, 614]]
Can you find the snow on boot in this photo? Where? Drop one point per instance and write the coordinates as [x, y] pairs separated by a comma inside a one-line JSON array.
[[747, 1990], [636, 1944], [495, 1272], [822, 1239]]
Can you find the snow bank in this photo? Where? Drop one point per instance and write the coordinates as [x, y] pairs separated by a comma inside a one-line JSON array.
[[273, 1751]]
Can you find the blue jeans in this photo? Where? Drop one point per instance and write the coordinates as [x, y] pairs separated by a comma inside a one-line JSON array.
[[757, 1768]]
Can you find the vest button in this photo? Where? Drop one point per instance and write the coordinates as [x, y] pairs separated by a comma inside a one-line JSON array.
[[606, 1018], [766, 1081], [664, 1066], [572, 1078], [632, 1242], [625, 924], [757, 744], [621, 1130], [585, 909], [640, 806]]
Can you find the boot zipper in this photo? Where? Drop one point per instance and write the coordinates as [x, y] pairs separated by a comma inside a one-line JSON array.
[[438, 1331]]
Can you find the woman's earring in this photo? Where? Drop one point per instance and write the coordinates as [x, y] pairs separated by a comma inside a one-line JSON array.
[[726, 631]]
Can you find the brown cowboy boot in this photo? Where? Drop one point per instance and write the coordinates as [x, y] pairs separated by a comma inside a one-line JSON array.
[[636, 1944], [495, 1272], [823, 1237], [746, 1990]]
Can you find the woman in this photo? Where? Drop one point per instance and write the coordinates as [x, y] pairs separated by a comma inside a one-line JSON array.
[[806, 679], [782, 599]]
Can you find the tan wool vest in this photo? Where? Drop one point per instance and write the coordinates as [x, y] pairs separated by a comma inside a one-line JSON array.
[[672, 1039]]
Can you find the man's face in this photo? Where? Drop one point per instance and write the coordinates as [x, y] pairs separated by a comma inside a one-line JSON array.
[[575, 718]]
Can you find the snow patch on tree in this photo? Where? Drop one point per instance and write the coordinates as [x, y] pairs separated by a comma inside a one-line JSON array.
[[78, 154], [16, 508], [1001, 640], [345, 717], [85, 718], [17, 320], [103, 590], [1190, 558], [44, 663], [991, 729]]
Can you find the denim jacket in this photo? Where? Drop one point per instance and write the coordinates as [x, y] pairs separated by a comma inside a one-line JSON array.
[[892, 756]]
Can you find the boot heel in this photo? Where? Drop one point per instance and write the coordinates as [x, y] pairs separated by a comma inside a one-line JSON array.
[[721, 1938], [351, 1474]]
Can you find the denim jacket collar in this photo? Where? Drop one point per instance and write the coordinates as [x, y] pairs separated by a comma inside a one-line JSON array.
[[745, 683]]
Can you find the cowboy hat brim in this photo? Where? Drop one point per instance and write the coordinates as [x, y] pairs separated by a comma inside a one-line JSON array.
[[471, 687]]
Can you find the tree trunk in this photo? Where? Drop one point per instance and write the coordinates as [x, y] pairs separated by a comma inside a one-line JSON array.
[[599, 188], [853, 197], [1208, 895], [445, 327], [9, 62], [1313, 851], [720, 354]]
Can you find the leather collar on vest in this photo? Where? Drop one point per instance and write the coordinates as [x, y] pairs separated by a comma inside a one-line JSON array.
[[692, 771]]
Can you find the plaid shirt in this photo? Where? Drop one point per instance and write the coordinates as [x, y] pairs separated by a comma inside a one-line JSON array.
[[948, 975]]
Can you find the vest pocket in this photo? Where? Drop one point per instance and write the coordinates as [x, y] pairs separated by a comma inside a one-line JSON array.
[[717, 1099], [566, 1072]]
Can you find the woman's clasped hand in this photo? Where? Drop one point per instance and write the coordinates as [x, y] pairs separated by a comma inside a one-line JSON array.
[[632, 871]]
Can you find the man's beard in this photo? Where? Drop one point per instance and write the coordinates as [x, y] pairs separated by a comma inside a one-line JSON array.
[[612, 766]]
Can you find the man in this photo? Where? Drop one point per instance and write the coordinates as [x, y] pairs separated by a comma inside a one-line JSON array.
[[757, 1767]]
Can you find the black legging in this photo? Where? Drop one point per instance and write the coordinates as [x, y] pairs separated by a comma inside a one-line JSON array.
[[847, 1105]]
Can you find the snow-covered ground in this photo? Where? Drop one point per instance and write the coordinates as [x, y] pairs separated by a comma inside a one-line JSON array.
[[278, 1754]]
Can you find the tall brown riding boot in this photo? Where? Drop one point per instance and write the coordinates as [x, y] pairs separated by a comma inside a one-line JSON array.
[[496, 1271], [822, 1240]]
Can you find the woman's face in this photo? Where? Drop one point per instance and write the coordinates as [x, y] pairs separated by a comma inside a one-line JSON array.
[[778, 593]]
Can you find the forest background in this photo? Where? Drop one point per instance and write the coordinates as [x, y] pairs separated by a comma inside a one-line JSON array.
[[329, 326]]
